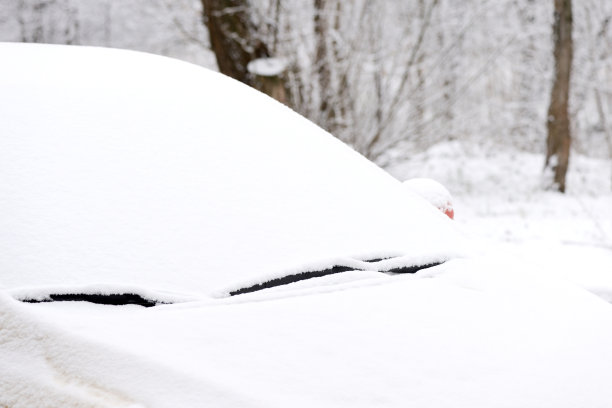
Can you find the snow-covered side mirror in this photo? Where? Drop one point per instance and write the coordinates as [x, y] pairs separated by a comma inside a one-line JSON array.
[[433, 192]]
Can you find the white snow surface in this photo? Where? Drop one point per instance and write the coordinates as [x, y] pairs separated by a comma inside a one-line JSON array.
[[431, 190], [95, 198], [267, 66], [468, 333], [119, 167], [499, 199]]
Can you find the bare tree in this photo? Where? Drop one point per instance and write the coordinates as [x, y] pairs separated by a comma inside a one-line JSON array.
[[558, 121], [323, 61], [236, 42], [330, 66], [233, 37]]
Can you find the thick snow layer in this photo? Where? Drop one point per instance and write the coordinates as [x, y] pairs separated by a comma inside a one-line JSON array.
[[432, 191], [125, 168], [113, 194], [267, 66], [468, 333]]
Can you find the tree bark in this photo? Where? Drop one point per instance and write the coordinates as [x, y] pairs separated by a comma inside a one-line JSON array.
[[273, 86], [558, 121], [322, 64], [604, 125], [233, 37]]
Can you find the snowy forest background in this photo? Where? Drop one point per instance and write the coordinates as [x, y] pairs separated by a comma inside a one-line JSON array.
[[391, 78]]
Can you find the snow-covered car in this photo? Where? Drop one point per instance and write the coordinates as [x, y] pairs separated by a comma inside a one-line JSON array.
[[172, 238]]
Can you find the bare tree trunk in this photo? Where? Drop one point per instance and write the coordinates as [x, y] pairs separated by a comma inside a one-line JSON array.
[[558, 123], [235, 40], [272, 85], [323, 64], [233, 37], [604, 124], [527, 114]]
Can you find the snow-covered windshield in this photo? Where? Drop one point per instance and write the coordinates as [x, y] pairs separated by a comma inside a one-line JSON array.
[[126, 168]]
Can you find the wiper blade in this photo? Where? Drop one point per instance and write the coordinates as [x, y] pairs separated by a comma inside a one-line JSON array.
[[285, 280], [115, 299]]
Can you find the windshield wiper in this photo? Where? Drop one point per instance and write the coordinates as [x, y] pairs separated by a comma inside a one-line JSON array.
[[285, 280], [115, 299]]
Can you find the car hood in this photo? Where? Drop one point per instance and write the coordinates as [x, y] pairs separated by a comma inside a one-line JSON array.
[[466, 333]]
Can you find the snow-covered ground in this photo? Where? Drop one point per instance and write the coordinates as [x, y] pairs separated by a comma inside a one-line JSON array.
[[498, 197]]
